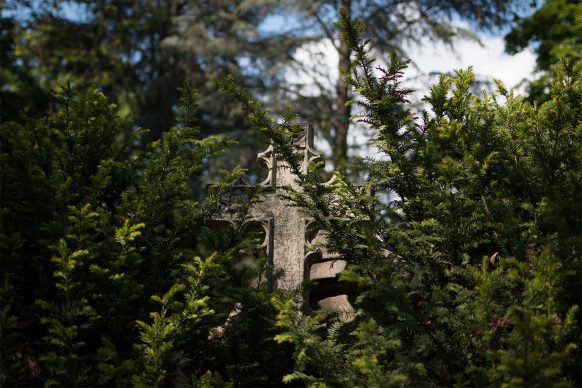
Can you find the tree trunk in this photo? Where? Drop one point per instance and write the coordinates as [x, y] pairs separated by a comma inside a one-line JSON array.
[[340, 146]]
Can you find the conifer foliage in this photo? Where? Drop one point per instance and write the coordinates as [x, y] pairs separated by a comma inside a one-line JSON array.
[[101, 283], [467, 257], [465, 251]]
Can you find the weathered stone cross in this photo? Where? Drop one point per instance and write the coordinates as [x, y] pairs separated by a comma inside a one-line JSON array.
[[292, 253]]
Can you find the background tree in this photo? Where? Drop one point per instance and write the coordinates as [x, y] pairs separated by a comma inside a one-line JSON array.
[[140, 52], [392, 26], [553, 31], [19, 90]]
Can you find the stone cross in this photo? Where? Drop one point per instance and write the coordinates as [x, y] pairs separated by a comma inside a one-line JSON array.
[[292, 253]]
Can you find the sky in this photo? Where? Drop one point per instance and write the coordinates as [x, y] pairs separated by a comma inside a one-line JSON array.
[[488, 59]]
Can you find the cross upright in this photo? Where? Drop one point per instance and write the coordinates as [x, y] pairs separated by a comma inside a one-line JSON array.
[[294, 250], [284, 224]]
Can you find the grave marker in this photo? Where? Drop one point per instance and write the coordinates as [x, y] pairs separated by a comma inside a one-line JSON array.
[[293, 255]]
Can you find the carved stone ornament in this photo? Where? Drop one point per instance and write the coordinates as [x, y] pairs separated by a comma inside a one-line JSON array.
[[293, 255]]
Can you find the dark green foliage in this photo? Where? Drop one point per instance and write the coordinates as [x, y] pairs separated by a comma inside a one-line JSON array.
[[101, 283], [465, 249], [467, 259], [553, 32], [555, 27], [19, 90]]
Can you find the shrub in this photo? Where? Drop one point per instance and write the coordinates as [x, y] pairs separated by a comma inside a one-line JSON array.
[[467, 257]]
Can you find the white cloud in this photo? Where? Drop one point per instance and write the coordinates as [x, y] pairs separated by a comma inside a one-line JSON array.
[[489, 61]]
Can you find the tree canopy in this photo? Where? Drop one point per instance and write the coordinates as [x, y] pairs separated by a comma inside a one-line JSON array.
[[554, 31], [140, 52]]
